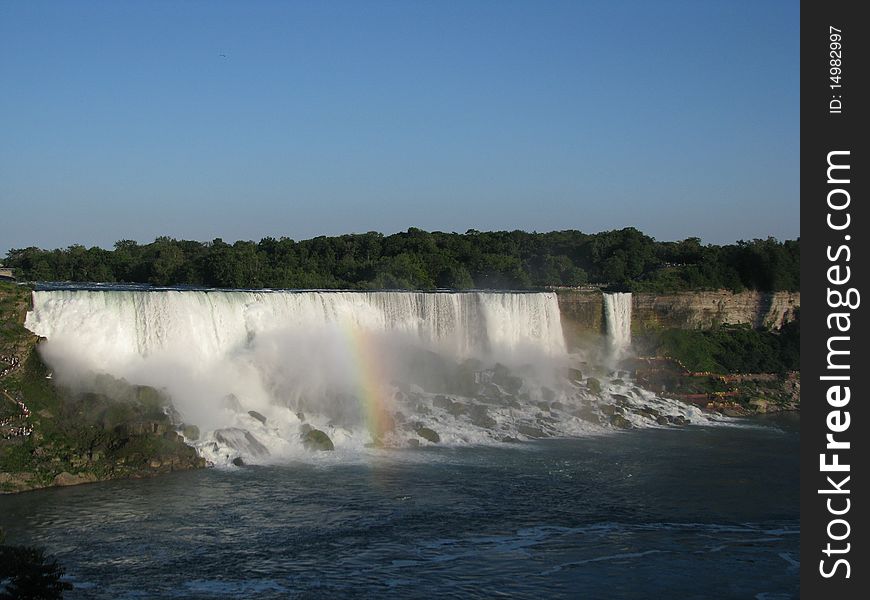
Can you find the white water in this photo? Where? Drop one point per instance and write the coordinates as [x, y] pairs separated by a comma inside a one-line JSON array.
[[317, 358], [617, 316]]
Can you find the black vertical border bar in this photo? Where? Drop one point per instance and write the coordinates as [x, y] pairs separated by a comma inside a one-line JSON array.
[[823, 132]]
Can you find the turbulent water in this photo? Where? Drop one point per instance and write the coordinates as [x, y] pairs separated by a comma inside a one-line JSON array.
[[256, 371], [698, 512]]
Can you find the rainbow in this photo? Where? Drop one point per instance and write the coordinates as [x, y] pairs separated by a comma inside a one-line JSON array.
[[375, 396]]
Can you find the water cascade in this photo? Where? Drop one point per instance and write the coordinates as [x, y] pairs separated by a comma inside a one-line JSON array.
[[617, 316], [256, 372]]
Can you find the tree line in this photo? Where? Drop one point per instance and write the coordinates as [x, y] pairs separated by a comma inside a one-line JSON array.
[[623, 259]]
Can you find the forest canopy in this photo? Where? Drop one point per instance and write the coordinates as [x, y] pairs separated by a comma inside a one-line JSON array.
[[623, 259]]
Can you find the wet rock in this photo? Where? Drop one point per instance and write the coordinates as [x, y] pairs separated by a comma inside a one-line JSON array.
[[557, 406], [594, 386], [241, 440], [314, 439], [413, 443], [677, 420], [491, 390], [662, 420], [301, 416], [587, 413], [191, 432], [428, 434], [454, 408], [547, 394], [619, 421], [575, 375], [649, 412], [481, 418], [257, 416], [610, 409], [532, 432], [231, 401], [508, 439], [503, 377], [546, 419], [237, 461], [617, 381]]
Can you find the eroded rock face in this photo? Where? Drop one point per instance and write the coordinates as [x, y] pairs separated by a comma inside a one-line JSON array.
[[582, 312], [703, 310]]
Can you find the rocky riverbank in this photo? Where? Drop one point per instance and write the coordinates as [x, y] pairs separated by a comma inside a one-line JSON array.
[[52, 436]]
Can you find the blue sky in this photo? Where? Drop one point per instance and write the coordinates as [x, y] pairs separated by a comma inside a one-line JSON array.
[[124, 120]]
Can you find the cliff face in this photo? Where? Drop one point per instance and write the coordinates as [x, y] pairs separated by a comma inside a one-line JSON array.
[[582, 315], [583, 312], [703, 310]]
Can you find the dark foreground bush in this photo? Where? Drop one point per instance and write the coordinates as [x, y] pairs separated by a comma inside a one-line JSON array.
[[26, 573]]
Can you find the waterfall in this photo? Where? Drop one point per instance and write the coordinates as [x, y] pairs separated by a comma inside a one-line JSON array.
[[343, 362], [255, 371], [617, 316], [109, 327]]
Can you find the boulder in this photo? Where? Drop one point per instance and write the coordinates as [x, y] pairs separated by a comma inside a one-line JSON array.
[[237, 461], [191, 432], [241, 440], [481, 418], [759, 405], [66, 478], [314, 439], [594, 386], [610, 409], [532, 432], [587, 413], [454, 408], [428, 434], [649, 412], [617, 420], [257, 416]]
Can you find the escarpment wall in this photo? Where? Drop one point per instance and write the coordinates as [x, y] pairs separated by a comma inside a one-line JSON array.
[[703, 310], [582, 312]]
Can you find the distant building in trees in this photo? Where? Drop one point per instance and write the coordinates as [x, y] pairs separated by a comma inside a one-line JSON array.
[[6, 274]]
